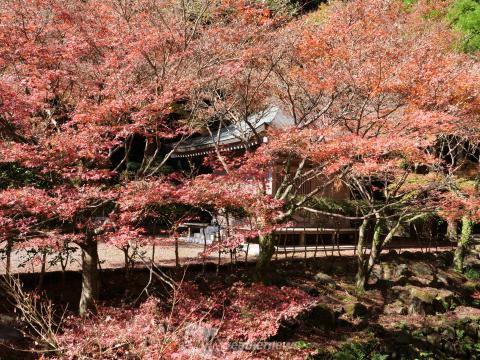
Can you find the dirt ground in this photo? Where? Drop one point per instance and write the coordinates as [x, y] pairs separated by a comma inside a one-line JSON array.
[[112, 257]]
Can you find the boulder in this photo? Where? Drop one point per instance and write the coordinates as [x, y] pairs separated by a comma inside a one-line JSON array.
[[340, 268], [419, 307], [356, 310], [425, 300], [390, 271], [442, 279], [445, 259], [319, 316], [324, 279], [422, 273], [396, 308], [309, 290], [434, 339], [401, 270], [472, 260], [286, 329], [471, 286], [463, 312]]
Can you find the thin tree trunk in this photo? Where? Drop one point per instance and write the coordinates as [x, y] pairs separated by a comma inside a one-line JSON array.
[[376, 244], [8, 268], [177, 259], [204, 249], [90, 280], [43, 269], [126, 261], [361, 258], [463, 243], [267, 249], [126, 270], [452, 232]]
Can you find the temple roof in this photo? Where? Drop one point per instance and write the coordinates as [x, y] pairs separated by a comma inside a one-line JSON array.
[[235, 136]]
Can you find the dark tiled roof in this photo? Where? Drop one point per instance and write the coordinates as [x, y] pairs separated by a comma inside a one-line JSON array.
[[236, 134]]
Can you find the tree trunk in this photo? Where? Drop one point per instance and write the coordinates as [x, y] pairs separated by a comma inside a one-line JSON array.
[[376, 245], [452, 232], [126, 262], [177, 258], [90, 282], [361, 278], [8, 250], [267, 248], [126, 270], [462, 245], [43, 269]]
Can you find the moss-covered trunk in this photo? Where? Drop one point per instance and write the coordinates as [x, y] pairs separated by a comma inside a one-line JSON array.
[[362, 259], [90, 280], [267, 249], [463, 244]]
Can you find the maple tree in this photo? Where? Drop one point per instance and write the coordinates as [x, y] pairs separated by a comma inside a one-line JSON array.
[[371, 87], [94, 112], [96, 96], [390, 86], [88, 105]]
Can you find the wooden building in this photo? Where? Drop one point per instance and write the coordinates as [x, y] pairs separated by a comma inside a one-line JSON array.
[[306, 229]]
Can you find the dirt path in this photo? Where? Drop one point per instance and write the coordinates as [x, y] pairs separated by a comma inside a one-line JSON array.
[[112, 257]]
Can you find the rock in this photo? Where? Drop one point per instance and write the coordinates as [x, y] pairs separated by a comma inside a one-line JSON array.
[[422, 273], [425, 294], [402, 281], [309, 290], [442, 279], [422, 281], [470, 286], [396, 308], [403, 338], [324, 279], [445, 259], [471, 260], [376, 272], [384, 283], [434, 339], [425, 300], [319, 316], [420, 307], [402, 293], [356, 310], [388, 271], [286, 330], [401, 270], [340, 269], [463, 312], [471, 329]]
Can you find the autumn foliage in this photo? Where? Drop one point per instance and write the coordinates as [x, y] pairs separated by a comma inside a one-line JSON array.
[[95, 97]]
